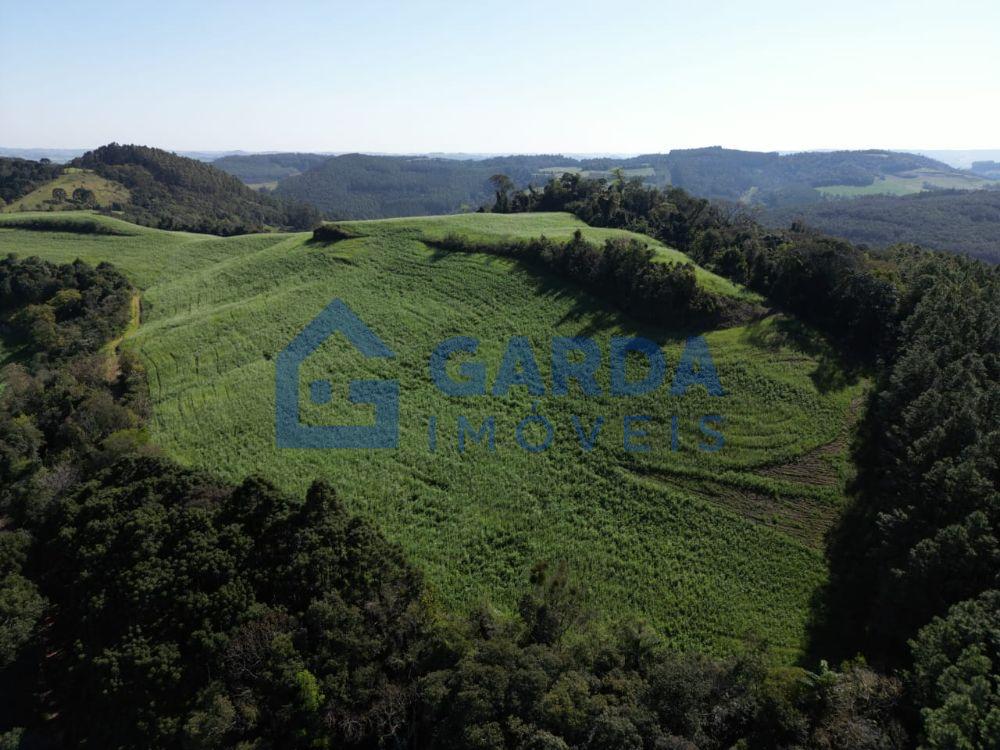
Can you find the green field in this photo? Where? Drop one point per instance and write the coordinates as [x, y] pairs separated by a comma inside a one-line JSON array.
[[709, 547], [105, 192], [557, 226], [908, 183]]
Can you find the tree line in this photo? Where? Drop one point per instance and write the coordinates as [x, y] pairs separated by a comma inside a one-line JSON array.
[[622, 271]]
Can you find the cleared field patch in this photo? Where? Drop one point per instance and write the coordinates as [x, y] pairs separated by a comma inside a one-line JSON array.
[[554, 225], [908, 183], [658, 535], [106, 193]]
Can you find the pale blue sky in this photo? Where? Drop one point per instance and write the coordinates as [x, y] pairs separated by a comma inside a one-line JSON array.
[[500, 77]]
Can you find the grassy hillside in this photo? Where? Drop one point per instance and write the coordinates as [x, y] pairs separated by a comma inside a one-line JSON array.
[[710, 547], [910, 182], [107, 194], [18, 177]]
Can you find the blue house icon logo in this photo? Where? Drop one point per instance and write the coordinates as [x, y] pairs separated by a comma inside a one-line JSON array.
[[337, 317]]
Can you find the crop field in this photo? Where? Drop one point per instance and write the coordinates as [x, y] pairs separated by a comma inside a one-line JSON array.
[[556, 226], [105, 192], [908, 183], [710, 547]]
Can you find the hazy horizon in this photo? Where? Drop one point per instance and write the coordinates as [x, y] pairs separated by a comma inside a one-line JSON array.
[[957, 158], [435, 77]]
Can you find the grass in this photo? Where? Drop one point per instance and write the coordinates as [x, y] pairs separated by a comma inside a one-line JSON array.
[[708, 547], [908, 183], [105, 192], [557, 226]]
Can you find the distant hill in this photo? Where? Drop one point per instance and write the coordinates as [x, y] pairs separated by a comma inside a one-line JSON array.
[[774, 179], [376, 186], [174, 192], [18, 177], [262, 169], [950, 220], [357, 186], [990, 169], [72, 188]]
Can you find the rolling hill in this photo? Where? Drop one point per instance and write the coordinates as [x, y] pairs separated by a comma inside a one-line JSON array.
[[174, 192], [709, 547], [265, 170], [148, 186], [372, 186], [952, 220], [357, 186], [19, 177], [103, 192]]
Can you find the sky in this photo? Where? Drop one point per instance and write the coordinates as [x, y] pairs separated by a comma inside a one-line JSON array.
[[508, 77]]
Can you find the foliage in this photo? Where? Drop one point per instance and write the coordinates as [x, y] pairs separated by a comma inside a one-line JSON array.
[[249, 616], [954, 675], [623, 272], [952, 220], [66, 310], [925, 531], [358, 186], [518, 686], [18, 177], [828, 283], [774, 178], [174, 192], [258, 168]]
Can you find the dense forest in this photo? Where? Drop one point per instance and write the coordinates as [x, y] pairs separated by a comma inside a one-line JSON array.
[[260, 168], [355, 186], [949, 220], [779, 179], [174, 192]]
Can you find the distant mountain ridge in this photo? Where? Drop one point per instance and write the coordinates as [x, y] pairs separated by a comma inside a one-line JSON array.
[[378, 186]]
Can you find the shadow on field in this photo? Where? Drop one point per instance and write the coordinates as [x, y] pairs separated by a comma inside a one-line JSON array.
[[833, 372], [601, 315]]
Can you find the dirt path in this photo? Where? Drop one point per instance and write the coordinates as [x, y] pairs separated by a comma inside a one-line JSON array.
[[111, 348]]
